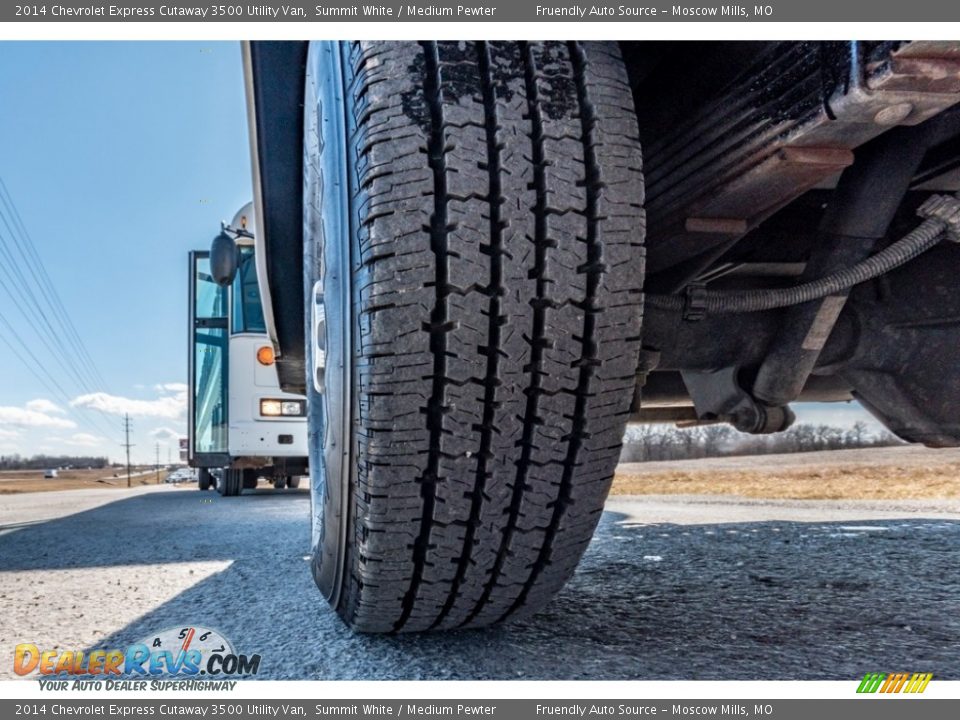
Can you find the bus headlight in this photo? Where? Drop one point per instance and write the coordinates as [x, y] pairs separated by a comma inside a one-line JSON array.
[[292, 407], [282, 408]]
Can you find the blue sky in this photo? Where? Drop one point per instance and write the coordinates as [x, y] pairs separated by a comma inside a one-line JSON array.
[[120, 157]]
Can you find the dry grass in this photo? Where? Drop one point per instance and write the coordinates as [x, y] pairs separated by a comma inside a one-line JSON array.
[[822, 481], [21, 481]]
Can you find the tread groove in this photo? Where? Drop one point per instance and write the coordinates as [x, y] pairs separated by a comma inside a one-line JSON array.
[[439, 228], [593, 269], [537, 333], [491, 381]]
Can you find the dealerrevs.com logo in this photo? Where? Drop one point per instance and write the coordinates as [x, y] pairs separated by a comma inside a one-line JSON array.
[[180, 651]]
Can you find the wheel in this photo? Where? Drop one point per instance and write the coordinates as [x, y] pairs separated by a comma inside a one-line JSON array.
[[481, 308], [204, 479], [293, 482], [230, 482], [279, 482], [249, 479]]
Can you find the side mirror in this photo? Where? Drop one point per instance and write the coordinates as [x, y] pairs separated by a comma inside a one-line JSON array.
[[223, 259]]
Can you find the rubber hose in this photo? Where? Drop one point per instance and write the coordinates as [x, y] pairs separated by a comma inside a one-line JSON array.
[[908, 247]]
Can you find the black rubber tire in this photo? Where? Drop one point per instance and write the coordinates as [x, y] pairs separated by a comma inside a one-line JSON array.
[[204, 479], [489, 284], [230, 483], [279, 482], [293, 481]]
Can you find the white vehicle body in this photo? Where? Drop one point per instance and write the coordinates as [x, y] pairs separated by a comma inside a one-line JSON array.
[[249, 433], [240, 420]]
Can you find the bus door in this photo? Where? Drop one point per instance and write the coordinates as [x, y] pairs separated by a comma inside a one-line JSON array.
[[209, 341]]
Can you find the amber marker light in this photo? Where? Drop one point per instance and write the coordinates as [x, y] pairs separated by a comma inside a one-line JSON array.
[[265, 355]]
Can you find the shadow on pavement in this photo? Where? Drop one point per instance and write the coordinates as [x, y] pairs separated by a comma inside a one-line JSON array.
[[172, 526]]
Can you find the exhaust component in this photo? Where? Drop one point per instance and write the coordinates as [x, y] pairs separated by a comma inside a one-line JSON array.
[[718, 397]]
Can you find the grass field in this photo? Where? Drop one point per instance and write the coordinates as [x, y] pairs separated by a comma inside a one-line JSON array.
[[888, 473], [18, 481], [870, 474]]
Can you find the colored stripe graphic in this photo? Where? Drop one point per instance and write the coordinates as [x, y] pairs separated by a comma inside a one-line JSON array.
[[889, 683], [894, 683], [870, 683]]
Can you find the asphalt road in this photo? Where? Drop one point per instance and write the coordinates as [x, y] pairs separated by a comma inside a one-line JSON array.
[[671, 588]]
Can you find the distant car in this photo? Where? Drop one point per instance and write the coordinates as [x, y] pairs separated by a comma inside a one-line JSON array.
[[51, 473], [181, 475]]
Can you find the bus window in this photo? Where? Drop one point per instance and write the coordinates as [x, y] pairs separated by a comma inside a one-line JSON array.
[[208, 359], [210, 406], [247, 310]]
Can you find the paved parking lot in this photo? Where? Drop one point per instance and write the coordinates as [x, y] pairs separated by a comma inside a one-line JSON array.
[[672, 587]]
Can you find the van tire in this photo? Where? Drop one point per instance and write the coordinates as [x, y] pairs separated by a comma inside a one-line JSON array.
[[230, 482], [483, 269]]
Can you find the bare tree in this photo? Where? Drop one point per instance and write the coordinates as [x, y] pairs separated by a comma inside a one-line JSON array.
[[665, 442]]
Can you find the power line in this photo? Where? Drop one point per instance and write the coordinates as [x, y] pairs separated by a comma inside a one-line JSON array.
[[63, 317], [48, 340], [36, 316], [33, 311], [36, 366], [73, 358]]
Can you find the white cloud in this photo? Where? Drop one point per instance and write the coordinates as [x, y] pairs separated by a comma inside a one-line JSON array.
[[165, 433], [173, 387], [32, 418], [84, 440], [42, 405], [8, 434], [172, 403]]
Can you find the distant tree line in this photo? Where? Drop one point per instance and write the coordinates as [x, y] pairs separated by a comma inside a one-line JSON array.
[[663, 442], [41, 462]]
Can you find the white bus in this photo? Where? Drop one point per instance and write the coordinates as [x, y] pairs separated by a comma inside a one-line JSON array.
[[242, 427]]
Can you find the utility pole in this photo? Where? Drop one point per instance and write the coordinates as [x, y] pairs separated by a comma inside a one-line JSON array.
[[127, 444], [158, 463]]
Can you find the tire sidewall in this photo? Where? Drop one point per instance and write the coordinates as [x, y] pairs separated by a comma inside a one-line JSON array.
[[327, 254]]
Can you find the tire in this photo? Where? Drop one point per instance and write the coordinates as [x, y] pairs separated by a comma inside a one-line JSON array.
[[204, 479], [230, 482], [293, 482], [279, 482], [481, 278]]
